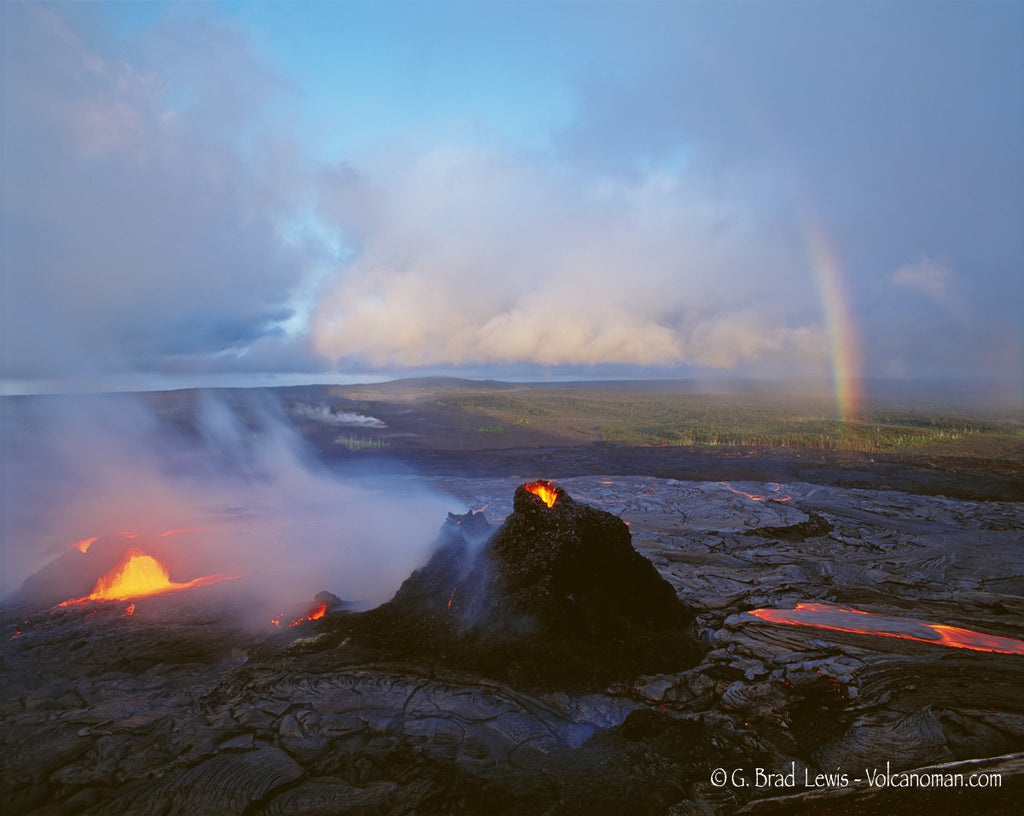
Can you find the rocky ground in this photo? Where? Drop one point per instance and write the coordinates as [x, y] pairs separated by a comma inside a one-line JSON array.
[[175, 709]]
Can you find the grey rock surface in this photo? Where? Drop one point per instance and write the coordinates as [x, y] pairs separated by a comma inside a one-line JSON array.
[[105, 714]]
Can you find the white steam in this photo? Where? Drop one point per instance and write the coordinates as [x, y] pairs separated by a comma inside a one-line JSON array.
[[323, 413], [94, 466]]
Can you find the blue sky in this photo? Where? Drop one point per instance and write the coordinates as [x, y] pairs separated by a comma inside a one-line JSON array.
[[224, 193]]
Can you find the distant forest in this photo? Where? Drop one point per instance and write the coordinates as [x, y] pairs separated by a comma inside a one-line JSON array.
[[667, 417]]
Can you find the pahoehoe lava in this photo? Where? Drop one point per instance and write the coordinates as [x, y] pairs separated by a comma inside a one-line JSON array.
[[550, 665]]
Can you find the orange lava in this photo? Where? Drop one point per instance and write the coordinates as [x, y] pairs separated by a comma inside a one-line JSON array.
[[844, 619], [84, 545], [755, 497], [129, 610], [318, 612], [137, 576], [544, 489]]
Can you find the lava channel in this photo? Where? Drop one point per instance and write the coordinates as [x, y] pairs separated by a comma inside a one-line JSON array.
[[857, 621], [755, 497]]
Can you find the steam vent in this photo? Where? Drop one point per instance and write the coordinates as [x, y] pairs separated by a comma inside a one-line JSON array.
[[556, 596]]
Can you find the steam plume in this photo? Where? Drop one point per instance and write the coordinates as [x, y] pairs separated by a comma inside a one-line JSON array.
[[90, 466]]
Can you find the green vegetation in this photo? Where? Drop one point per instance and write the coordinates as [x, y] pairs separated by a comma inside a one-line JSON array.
[[673, 417], [359, 442], [490, 429]]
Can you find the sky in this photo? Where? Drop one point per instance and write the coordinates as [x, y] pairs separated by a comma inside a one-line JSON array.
[[251, 193]]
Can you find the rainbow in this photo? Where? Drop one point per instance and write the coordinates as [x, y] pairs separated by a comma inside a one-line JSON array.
[[843, 341], [844, 344]]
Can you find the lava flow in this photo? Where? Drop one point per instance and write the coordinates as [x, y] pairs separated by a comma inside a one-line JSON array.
[[316, 613], [544, 489], [755, 497], [845, 619], [137, 576], [84, 545]]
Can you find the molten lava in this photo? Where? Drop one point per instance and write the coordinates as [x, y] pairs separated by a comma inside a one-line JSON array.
[[844, 619], [139, 575], [544, 489], [84, 545], [318, 613], [315, 613], [754, 497]]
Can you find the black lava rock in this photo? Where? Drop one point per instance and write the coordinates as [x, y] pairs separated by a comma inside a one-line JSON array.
[[556, 596]]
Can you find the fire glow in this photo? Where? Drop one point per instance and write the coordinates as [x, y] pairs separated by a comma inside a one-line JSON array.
[[137, 576], [844, 619], [544, 489]]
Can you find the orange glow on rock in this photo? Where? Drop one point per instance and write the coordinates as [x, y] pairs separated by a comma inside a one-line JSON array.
[[544, 489], [845, 619], [84, 545]]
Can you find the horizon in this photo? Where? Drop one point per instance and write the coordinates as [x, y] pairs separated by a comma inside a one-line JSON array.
[[229, 194], [925, 395]]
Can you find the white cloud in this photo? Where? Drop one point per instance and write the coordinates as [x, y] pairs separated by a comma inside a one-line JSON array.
[[927, 276], [467, 256]]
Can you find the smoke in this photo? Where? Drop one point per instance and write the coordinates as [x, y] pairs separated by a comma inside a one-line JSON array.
[[226, 469]]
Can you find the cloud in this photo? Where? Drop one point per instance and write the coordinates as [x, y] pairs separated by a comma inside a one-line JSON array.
[[930, 277], [160, 215], [137, 234], [472, 256]]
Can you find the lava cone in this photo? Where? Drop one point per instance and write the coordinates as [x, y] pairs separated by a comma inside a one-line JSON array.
[[568, 570], [556, 596]]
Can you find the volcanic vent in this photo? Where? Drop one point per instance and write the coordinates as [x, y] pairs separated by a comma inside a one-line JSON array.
[[557, 595]]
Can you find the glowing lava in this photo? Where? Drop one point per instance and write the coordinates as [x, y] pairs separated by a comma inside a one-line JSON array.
[[755, 497], [843, 619], [84, 545], [136, 576], [316, 613], [544, 489]]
